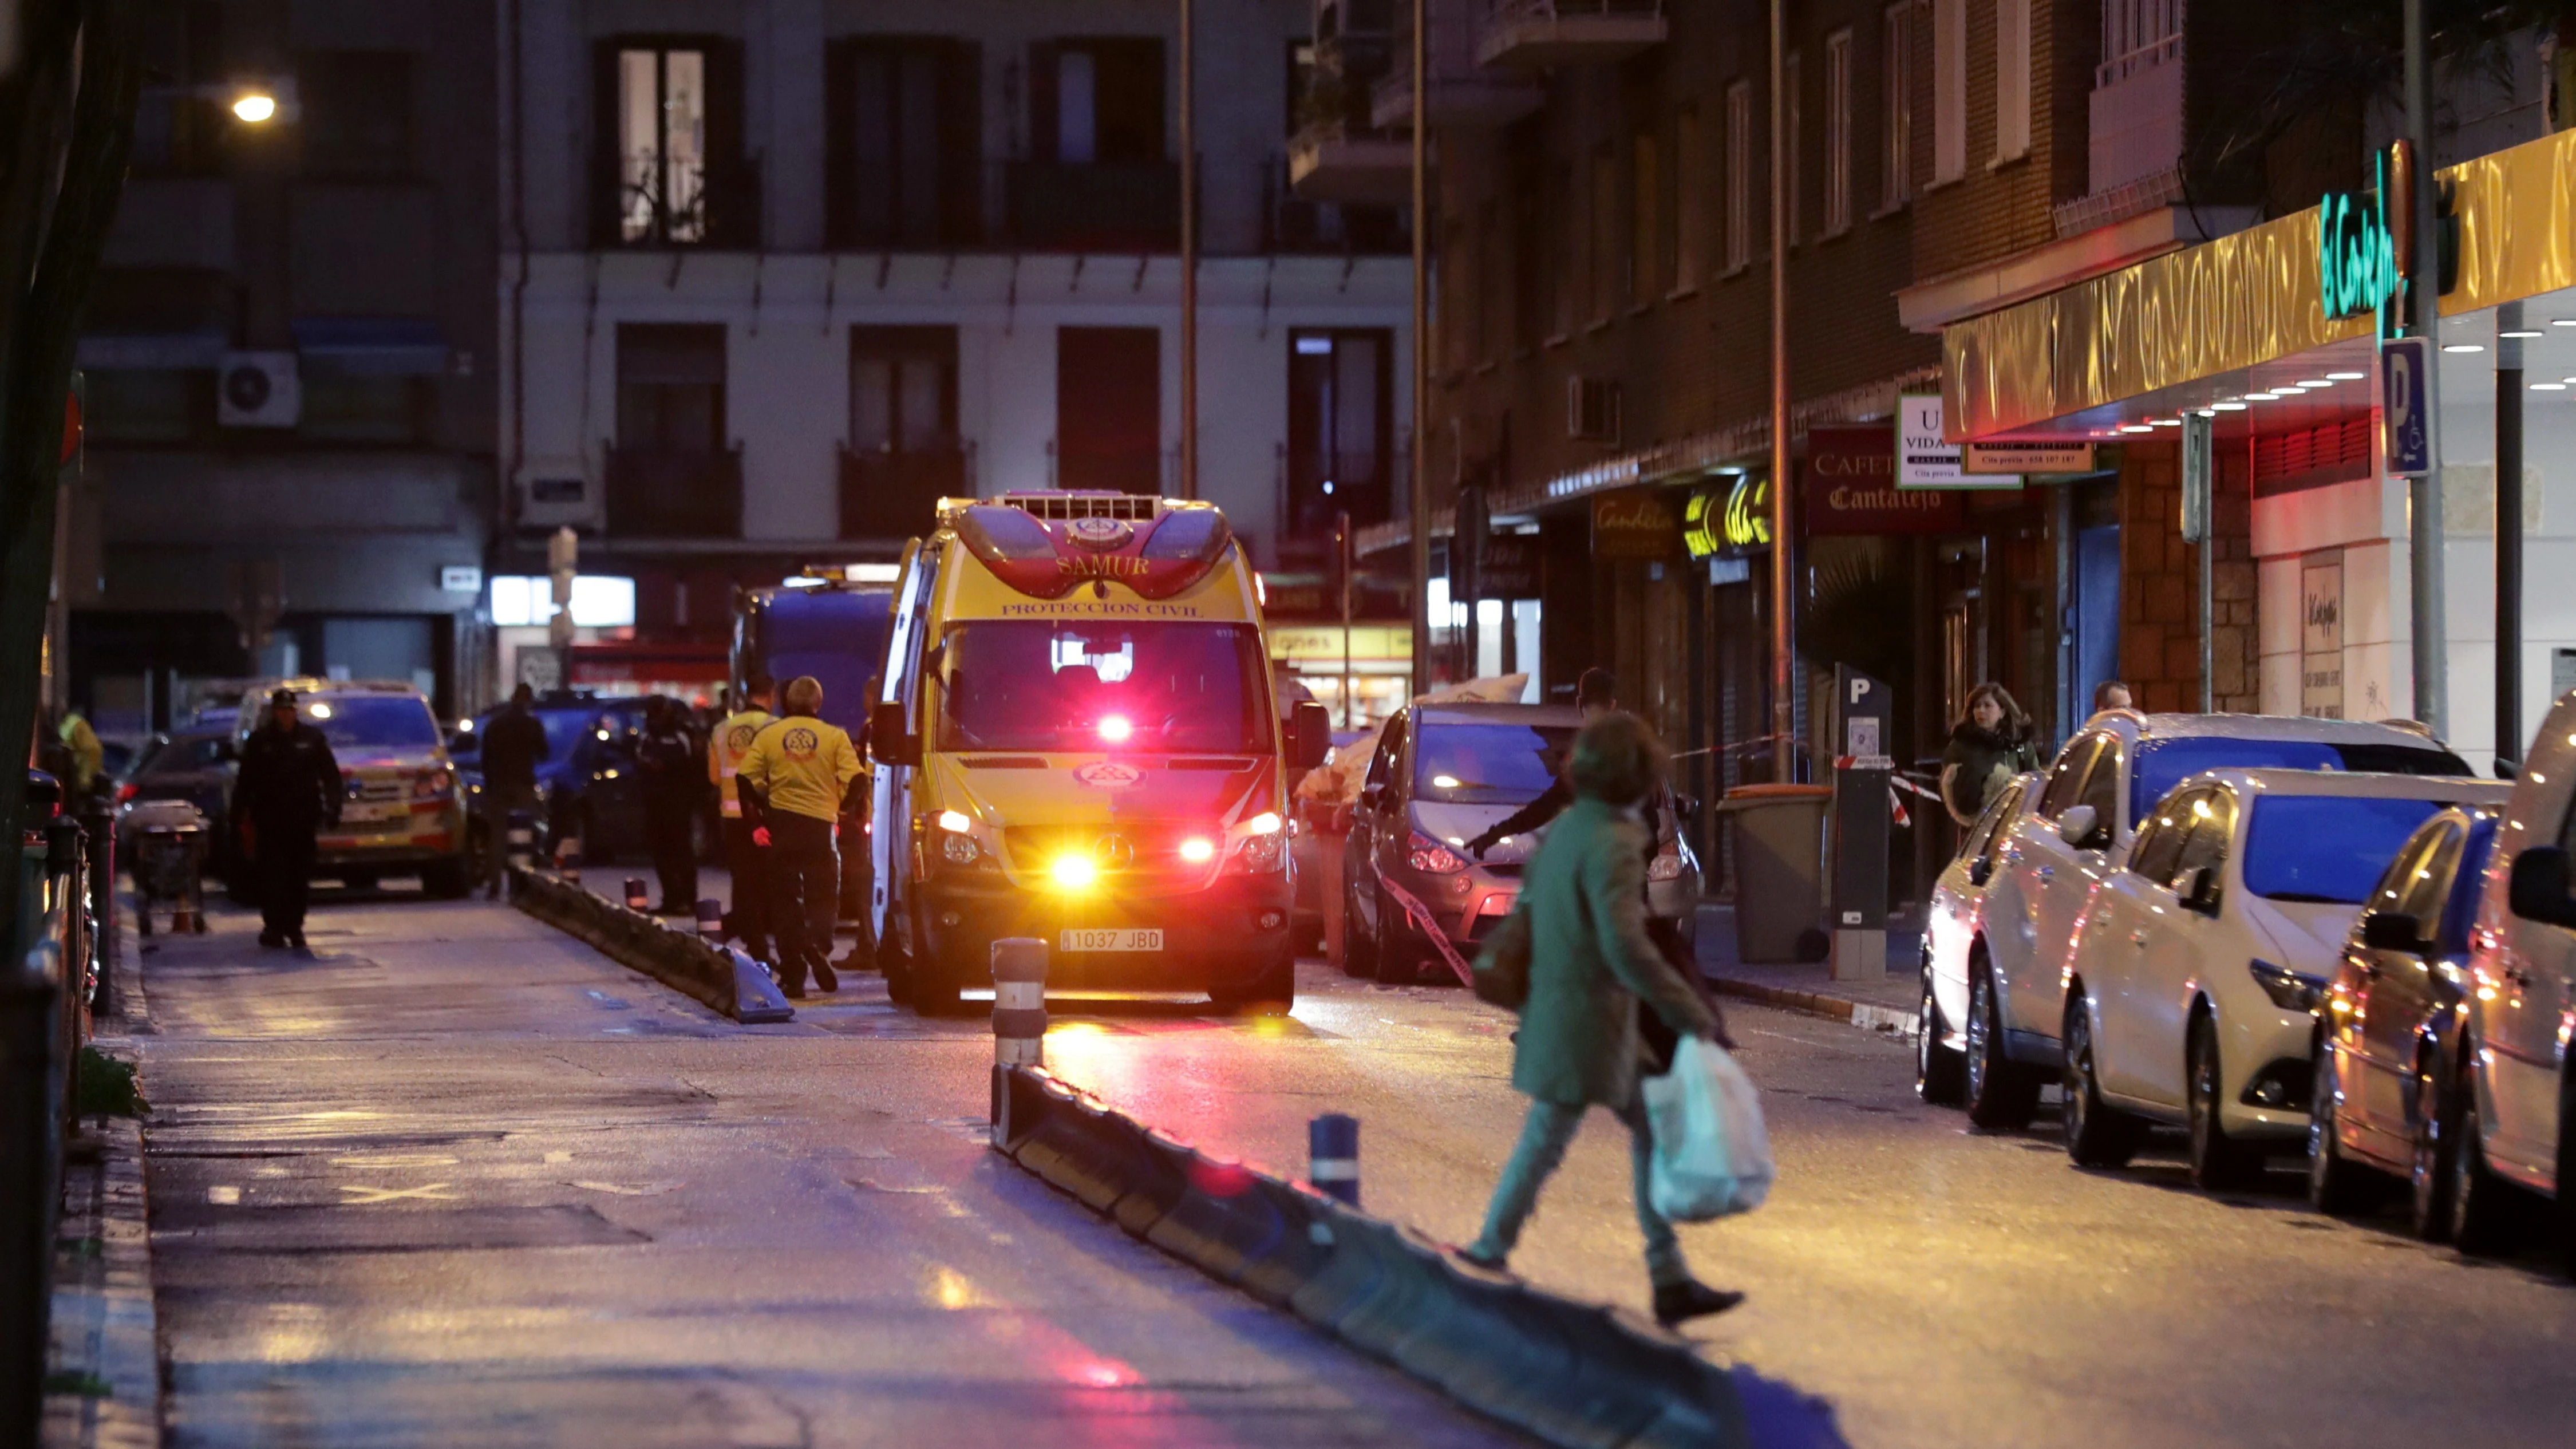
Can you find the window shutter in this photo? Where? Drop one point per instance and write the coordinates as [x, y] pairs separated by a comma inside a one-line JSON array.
[[961, 143], [1042, 100], [733, 178], [603, 143], [840, 125]]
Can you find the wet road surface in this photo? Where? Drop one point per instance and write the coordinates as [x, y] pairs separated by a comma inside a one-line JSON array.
[[459, 1180]]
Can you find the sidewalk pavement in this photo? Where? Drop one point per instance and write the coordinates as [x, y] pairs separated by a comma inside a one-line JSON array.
[[1888, 1004], [102, 1370]]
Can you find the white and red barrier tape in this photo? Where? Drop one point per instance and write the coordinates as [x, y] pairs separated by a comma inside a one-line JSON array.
[[1430, 925]]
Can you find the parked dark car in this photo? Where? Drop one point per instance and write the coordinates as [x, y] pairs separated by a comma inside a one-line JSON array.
[[194, 764], [1441, 775], [2388, 1026], [588, 785]]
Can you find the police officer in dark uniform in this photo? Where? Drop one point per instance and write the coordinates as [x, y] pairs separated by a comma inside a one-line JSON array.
[[288, 787], [668, 761]]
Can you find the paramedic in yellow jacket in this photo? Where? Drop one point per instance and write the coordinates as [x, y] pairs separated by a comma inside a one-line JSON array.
[[792, 781], [747, 859]]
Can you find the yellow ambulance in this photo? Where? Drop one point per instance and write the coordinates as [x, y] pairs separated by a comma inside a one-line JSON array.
[[1076, 741]]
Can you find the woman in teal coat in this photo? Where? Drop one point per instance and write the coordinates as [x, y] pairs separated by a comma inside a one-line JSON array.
[[1590, 964]]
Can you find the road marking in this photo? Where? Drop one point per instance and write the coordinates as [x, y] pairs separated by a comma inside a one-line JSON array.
[[556, 1157], [394, 1159], [368, 1195], [223, 1196], [650, 1189]]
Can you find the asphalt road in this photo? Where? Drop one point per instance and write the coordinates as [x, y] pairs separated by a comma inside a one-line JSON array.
[[487, 1188]]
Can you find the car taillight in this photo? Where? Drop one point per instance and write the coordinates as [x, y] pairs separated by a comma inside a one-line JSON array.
[[1427, 854], [126, 792]]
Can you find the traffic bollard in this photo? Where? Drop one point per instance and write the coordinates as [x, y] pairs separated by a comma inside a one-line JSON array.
[[568, 861], [1333, 1156], [636, 899], [1019, 1014], [711, 919]]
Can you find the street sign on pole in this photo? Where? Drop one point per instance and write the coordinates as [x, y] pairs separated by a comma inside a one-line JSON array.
[[2199, 484], [2409, 438]]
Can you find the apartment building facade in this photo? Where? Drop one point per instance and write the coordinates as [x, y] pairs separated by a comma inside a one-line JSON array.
[[288, 359], [777, 274]]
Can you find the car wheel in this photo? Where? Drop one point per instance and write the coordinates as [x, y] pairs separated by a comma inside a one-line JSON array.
[[2002, 1094], [2218, 1162], [935, 984], [1393, 952], [2097, 1133], [2337, 1185], [1359, 945], [357, 881], [1272, 993], [1940, 1070], [2481, 1206], [444, 880], [2433, 1124]]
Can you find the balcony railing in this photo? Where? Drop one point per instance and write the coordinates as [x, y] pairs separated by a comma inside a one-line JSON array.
[[1462, 93], [662, 493], [1099, 206], [1291, 224], [1329, 161], [722, 212], [895, 495], [1533, 34]]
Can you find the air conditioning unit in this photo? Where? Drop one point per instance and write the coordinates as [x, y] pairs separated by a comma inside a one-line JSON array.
[[1592, 409], [258, 390], [555, 493]]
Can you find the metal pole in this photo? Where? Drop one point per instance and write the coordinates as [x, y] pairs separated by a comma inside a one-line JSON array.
[[2431, 656], [1783, 634], [1189, 262], [1420, 531], [2508, 534], [1343, 563]]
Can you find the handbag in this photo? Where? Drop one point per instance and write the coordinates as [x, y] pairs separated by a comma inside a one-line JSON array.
[[1502, 970], [1712, 1156]]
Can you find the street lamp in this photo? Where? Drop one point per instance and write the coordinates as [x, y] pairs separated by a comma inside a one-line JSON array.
[[255, 107]]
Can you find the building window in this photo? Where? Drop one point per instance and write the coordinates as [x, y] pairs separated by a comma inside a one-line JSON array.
[[342, 407], [903, 389], [1647, 239], [1949, 90], [2137, 34], [902, 145], [1690, 207], [1739, 175], [1096, 101], [1108, 408], [1530, 279], [1793, 109], [1896, 106], [179, 119], [2012, 79], [1838, 132], [357, 113], [1608, 260], [1341, 428], [1565, 239], [157, 405], [670, 118], [671, 387]]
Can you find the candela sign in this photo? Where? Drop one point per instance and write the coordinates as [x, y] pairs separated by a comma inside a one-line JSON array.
[[2356, 254], [1636, 524]]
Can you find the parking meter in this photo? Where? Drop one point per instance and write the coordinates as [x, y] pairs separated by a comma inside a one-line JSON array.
[[1862, 764]]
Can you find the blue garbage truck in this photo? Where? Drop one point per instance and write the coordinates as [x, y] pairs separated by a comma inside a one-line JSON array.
[[835, 630]]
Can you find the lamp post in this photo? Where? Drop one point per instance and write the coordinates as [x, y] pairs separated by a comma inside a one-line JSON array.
[[1420, 480], [1783, 661], [2430, 656], [1189, 260]]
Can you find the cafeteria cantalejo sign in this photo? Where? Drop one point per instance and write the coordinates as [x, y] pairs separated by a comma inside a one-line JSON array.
[[1850, 487]]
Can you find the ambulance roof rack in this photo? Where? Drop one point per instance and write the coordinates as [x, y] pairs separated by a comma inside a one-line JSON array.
[[1065, 505]]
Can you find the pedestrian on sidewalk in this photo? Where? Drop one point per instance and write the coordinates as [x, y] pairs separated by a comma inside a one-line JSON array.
[[747, 858], [1987, 747], [1591, 963], [794, 781], [514, 744], [667, 759], [288, 787]]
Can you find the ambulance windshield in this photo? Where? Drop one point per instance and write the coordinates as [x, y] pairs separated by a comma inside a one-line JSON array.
[[1078, 686]]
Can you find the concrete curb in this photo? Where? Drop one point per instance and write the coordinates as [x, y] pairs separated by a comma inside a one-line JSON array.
[[1573, 1374], [1816, 1003], [719, 976], [104, 1367]]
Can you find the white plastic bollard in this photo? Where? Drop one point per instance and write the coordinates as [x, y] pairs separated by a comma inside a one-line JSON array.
[[1019, 1018]]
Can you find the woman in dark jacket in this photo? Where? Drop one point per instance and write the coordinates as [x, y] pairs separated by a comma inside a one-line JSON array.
[[1590, 963], [1986, 750]]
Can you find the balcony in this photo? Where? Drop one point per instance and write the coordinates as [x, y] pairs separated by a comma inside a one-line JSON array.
[[1109, 206], [1462, 93], [1332, 162], [1292, 225], [660, 493], [895, 495], [1532, 35], [717, 209]]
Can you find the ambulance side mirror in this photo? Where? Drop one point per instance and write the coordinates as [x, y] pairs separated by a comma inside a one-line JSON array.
[[890, 741], [1310, 729]]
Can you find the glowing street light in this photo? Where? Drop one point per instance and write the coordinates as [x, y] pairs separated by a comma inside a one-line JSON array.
[[255, 107]]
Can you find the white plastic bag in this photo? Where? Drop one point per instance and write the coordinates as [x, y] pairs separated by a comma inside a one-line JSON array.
[[1712, 1155]]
